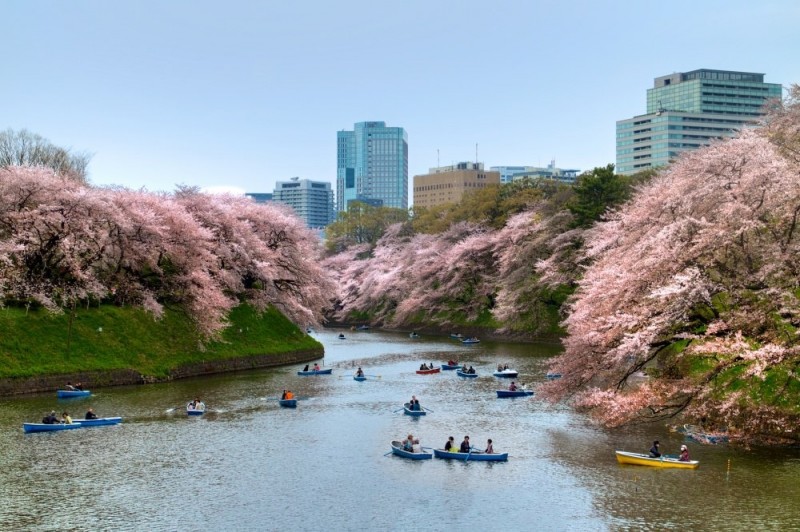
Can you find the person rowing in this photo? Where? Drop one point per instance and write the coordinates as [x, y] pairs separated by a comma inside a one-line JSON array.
[[465, 446]]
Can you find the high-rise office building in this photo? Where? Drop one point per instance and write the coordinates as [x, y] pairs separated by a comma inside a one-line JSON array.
[[514, 173], [372, 166], [448, 184], [688, 110], [311, 200]]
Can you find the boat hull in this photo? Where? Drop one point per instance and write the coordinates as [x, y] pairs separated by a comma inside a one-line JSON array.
[[624, 457], [515, 393], [397, 448], [359, 379], [414, 413], [317, 372], [467, 375], [288, 403], [100, 421], [428, 371], [470, 342], [476, 456], [506, 374], [448, 366], [69, 394], [44, 427]]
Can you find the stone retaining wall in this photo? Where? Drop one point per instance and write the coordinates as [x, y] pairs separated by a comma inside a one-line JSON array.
[[100, 379]]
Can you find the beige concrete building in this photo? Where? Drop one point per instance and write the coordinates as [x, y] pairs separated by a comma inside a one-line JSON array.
[[448, 184]]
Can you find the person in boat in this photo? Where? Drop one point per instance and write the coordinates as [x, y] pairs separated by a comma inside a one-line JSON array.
[[359, 372], [341, 336], [65, 418], [90, 414], [513, 387], [499, 367], [79, 386], [195, 405], [413, 404], [489, 448], [423, 366], [471, 370], [451, 362], [316, 367], [287, 394], [283, 395], [450, 446], [505, 367], [305, 368], [465, 446], [655, 452], [408, 444], [50, 419], [684, 457], [70, 387]]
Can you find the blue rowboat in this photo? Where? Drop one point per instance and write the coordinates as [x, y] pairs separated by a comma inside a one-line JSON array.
[[476, 456], [288, 403], [397, 448], [467, 375], [468, 341], [359, 379], [68, 394], [199, 411], [515, 393], [317, 372], [553, 376], [97, 422], [448, 366], [506, 373], [456, 336], [410, 412], [46, 427]]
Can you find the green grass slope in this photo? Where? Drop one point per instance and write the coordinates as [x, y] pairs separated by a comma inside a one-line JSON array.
[[38, 343]]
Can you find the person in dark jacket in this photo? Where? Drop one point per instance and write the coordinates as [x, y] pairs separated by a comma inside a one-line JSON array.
[[50, 419], [90, 414], [654, 450], [465, 446]]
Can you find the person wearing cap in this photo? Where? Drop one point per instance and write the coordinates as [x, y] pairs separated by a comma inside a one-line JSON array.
[[684, 457], [465, 446], [654, 450]]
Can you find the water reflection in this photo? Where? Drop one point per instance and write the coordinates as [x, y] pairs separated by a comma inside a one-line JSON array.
[[250, 465]]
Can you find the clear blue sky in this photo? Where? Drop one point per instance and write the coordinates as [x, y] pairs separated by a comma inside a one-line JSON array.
[[244, 94]]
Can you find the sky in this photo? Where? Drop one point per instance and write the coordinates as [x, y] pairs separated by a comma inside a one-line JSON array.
[[241, 94]]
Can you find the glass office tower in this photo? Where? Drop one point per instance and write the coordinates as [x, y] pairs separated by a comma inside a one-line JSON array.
[[689, 110], [372, 166], [311, 200]]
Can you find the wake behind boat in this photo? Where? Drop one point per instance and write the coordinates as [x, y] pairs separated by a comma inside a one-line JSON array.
[[624, 457]]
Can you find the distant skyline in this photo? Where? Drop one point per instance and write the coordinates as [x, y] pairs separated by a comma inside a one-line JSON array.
[[245, 94]]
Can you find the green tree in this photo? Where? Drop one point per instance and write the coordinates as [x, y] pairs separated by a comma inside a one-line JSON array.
[[595, 192], [361, 224]]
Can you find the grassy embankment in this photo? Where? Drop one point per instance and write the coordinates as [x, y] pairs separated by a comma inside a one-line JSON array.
[[38, 343]]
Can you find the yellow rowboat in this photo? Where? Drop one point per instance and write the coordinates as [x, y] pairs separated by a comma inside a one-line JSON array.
[[624, 457]]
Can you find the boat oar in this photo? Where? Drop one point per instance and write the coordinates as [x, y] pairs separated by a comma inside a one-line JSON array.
[[399, 409], [469, 453], [429, 410], [373, 376]]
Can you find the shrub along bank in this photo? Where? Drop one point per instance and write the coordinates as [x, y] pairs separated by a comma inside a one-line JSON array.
[[124, 345]]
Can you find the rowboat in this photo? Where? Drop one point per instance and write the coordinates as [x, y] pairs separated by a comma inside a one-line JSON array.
[[397, 448], [624, 457], [362, 328], [506, 373], [456, 336], [451, 366], [198, 411], [468, 341], [478, 456], [316, 372], [100, 421], [514, 393], [428, 371], [409, 412], [68, 394], [467, 375], [359, 379], [413, 335], [553, 376], [288, 403], [696, 433], [49, 427]]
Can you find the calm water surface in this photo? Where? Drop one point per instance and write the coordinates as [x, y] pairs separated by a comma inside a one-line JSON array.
[[250, 465]]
